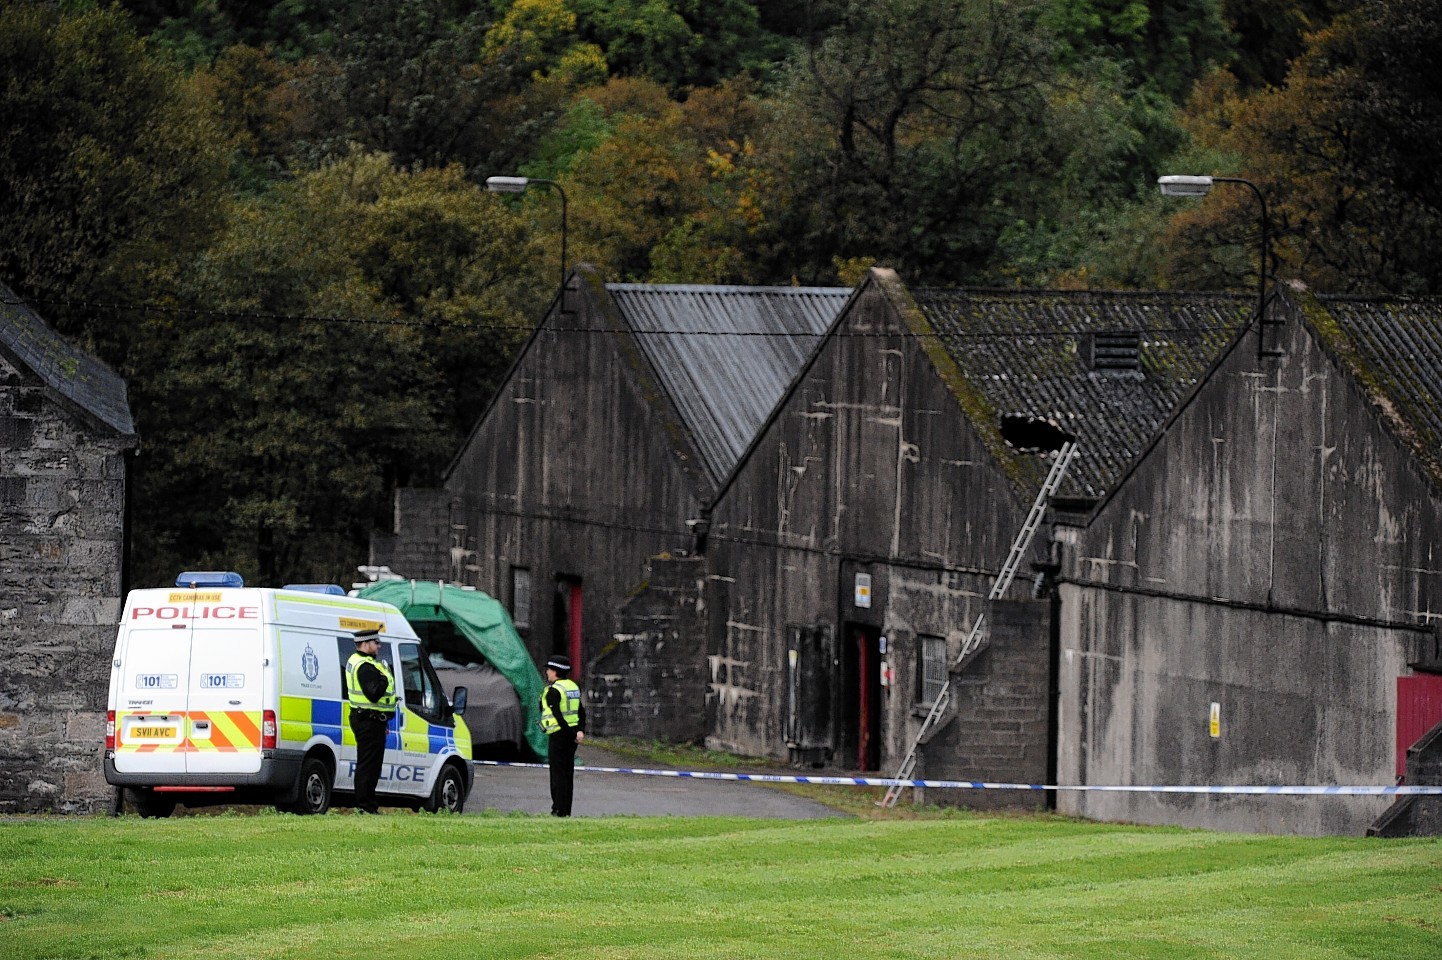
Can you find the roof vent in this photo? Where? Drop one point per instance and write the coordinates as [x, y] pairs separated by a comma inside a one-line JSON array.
[[1117, 351]]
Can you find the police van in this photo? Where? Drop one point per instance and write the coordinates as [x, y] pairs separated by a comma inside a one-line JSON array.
[[222, 693]]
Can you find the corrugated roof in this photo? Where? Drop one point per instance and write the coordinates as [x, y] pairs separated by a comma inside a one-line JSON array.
[[1395, 347], [1029, 352], [725, 355], [70, 371]]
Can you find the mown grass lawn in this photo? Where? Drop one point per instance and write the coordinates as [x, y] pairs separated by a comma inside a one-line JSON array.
[[953, 886]]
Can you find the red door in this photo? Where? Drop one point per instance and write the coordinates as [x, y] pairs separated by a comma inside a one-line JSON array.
[[1419, 709], [867, 690], [574, 626]]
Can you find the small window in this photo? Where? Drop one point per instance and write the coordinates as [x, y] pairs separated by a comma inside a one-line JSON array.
[[931, 668], [521, 597]]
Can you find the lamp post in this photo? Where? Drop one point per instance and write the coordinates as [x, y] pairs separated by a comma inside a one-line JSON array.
[[519, 185], [1200, 186]]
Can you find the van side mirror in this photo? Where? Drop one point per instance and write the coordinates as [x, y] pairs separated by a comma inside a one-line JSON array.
[[458, 701]]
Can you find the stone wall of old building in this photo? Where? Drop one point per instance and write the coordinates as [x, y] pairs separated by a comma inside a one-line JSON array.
[[650, 681], [1002, 714], [415, 546], [62, 497]]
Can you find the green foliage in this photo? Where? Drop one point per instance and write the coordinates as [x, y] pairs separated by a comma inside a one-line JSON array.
[[652, 199], [196, 31], [404, 78], [960, 141], [1270, 34], [109, 165], [286, 433], [960, 885], [680, 43], [1163, 44], [920, 124], [1341, 151]]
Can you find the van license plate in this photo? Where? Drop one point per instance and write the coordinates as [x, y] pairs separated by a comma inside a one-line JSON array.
[[153, 733]]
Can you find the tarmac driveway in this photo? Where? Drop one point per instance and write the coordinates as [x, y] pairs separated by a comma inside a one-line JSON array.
[[527, 789]]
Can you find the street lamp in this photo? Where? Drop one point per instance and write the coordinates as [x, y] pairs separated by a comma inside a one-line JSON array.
[[519, 185], [1200, 186]]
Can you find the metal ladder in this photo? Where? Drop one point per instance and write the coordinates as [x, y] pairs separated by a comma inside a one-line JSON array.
[[1019, 548]]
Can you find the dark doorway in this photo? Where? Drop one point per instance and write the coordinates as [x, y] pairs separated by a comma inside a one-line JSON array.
[[566, 621], [859, 740], [810, 669]]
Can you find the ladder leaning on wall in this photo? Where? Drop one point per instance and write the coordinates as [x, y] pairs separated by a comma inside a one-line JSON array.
[[1019, 548]]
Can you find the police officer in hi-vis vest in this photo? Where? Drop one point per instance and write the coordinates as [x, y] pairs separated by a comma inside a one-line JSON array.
[[563, 717], [371, 691]]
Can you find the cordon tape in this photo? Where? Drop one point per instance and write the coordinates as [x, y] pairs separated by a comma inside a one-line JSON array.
[[1285, 791]]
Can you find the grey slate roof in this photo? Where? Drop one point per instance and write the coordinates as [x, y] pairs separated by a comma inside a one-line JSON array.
[[725, 355], [68, 370], [1394, 348], [1028, 352]]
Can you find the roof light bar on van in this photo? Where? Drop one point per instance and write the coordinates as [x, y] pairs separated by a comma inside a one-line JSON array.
[[329, 589], [195, 579]]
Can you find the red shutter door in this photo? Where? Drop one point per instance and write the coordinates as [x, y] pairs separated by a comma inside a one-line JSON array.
[[1419, 709]]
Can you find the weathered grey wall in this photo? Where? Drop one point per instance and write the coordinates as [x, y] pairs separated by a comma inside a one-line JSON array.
[[1269, 555], [868, 466], [650, 681], [573, 471], [413, 547], [62, 495], [1003, 714]]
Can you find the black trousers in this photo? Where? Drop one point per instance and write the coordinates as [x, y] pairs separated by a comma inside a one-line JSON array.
[[370, 750], [561, 746]]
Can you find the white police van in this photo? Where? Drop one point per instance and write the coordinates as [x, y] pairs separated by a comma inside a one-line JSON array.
[[227, 694]]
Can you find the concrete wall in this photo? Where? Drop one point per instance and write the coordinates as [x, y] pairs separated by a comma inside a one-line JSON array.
[[869, 466], [1003, 714], [1275, 554], [413, 547], [62, 496], [650, 681], [573, 471]]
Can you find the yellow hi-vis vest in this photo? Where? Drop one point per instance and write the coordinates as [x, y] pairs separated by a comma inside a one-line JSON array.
[[354, 693], [570, 706]]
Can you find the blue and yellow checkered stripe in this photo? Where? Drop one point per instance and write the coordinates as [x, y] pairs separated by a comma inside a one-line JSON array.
[[302, 718]]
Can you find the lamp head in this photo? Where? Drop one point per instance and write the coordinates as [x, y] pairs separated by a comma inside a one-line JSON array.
[[507, 184], [1184, 186]]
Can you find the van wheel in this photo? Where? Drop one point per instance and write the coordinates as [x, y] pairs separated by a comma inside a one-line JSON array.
[[315, 788], [450, 792], [148, 805]]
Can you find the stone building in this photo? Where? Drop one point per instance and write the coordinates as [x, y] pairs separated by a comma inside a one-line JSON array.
[[65, 434], [1258, 601], [854, 546], [622, 414]]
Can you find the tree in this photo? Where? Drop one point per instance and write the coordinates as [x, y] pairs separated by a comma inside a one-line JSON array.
[[1270, 34], [680, 44], [1344, 153], [1164, 44], [341, 335], [403, 78], [910, 130], [109, 164]]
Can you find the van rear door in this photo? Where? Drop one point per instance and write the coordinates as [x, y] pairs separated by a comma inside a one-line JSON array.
[[151, 704], [226, 699]]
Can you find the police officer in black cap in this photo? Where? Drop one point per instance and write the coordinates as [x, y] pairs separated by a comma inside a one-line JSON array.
[[563, 717], [371, 690]]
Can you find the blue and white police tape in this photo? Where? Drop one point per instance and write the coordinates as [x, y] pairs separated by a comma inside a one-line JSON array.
[[1285, 791]]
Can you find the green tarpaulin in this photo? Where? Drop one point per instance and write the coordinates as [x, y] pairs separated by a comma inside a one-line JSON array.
[[482, 625]]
